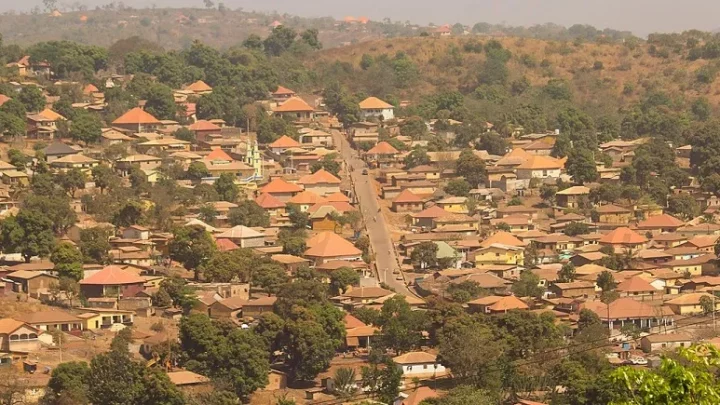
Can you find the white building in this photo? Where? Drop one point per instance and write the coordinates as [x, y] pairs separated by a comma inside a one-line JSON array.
[[373, 107], [415, 364]]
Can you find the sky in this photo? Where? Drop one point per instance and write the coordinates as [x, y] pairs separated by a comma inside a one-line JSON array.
[[639, 16]]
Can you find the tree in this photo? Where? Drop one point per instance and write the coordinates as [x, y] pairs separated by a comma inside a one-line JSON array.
[[86, 127], [160, 102], [14, 108], [70, 287], [464, 395], [414, 127], [11, 125], [465, 291], [105, 178], [683, 205], [299, 219], [18, 159], [581, 165], [311, 337], [417, 157], [567, 273], [269, 276], [328, 163], [708, 304], [185, 134], [401, 328], [471, 350], [345, 385], [342, 278], [576, 228], [32, 98], [68, 384], [68, 261], [471, 167], [30, 233], [383, 383], [493, 143], [192, 246], [458, 187], [293, 242], [424, 255], [130, 213], [280, 40], [72, 180], [248, 213], [606, 281], [528, 285], [197, 171], [310, 37], [207, 213], [94, 245], [226, 187]]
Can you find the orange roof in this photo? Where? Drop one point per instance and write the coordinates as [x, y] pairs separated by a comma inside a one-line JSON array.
[[536, 162], [337, 197], [306, 197], [267, 201], [407, 196], [320, 176], [294, 104], [199, 86], [660, 221], [90, 88], [382, 148], [136, 116], [4, 99], [218, 154], [499, 303], [224, 245], [339, 206], [283, 91], [635, 284], [374, 103], [503, 238], [9, 325], [432, 212], [626, 308], [285, 142], [278, 185], [204, 125], [419, 395], [623, 236], [112, 275], [352, 322], [330, 244], [51, 115]]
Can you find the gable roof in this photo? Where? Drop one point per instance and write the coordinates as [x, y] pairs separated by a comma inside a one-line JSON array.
[[574, 190], [59, 148], [306, 197], [337, 197], [112, 275], [330, 244], [9, 325], [4, 99], [51, 115], [500, 303], [415, 358], [611, 209], [282, 91], [626, 308], [204, 125], [267, 201], [278, 185], [660, 221], [218, 154], [382, 148], [623, 236], [198, 86], [537, 162], [136, 116], [352, 322], [503, 238], [407, 196], [90, 88], [50, 316], [635, 284], [240, 232], [225, 245], [294, 104], [374, 103], [320, 176], [432, 212], [285, 142]]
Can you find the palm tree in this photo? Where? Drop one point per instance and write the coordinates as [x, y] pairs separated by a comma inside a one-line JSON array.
[[345, 385]]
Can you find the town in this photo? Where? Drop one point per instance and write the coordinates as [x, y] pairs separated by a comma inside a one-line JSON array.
[[188, 227]]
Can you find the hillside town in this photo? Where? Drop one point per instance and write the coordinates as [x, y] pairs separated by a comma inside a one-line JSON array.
[[298, 256]]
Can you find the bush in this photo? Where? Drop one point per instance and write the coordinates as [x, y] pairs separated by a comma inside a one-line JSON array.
[[158, 326], [598, 65]]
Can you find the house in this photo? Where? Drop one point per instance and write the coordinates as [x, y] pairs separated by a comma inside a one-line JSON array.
[[572, 197], [227, 308], [203, 128], [40, 126], [167, 144], [626, 310], [670, 341], [111, 281], [357, 333], [613, 214], [78, 161], [15, 178], [414, 364], [637, 286], [497, 253], [282, 93], [137, 120], [373, 107], [497, 304], [199, 88], [689, 304], [456, 205], [416, 397], [31, 282], [296, 109], [426, 217], [573, 289], [57, 150], [281, 189], [273, 206], [244, 237], [316, 138], [365, 295], [427, 171], [539, 167], [144, 162], [324, 218], [282, 144], [52, 320], [321, 182], [406, 201], [258, 306], [329, 246], [103, 318], [277, 380], [382, 155], [660, 223], [623, 238], [17, 336], [187, 381], [136, 232], [111, 137], [693, 266]]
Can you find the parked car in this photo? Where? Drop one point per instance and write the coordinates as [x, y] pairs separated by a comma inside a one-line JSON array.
[[638, 361], [364, 171]]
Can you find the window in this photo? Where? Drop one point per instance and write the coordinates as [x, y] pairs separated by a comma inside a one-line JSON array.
[[409, 368], [424, 366], [14, 337]]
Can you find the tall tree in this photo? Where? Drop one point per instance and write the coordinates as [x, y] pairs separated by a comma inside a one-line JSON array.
[[471, 167], [86, 127], [226, 187], [30, 233], [192, 246], [68, 261]]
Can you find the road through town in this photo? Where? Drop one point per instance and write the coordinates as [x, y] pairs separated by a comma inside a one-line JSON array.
[[385, 256]]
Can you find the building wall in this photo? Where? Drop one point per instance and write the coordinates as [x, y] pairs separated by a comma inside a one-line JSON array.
[[324, 224], [537, 174], [407, 207], [254, 242], [323, 189], [386, 114], [418, 369]]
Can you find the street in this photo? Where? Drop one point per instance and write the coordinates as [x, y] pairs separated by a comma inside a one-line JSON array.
[[385, 256]]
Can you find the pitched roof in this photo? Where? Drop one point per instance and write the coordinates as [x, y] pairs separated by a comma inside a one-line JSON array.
[[330, 244], [537, 162], [282, 91], [419, 395], [341, 207], [660, 221], [185, 377], [136, 116], [611, 209], [503, 238], [432, 212], [76, 158], [374, 103], [59, 148], [626, 308], [415, 358], [9, 325], [352, 322], [574, 190], [267, 201], [285, 142], [500, 303], [112, 275], [224, 245], [278, 185], [48, 317], [635, 284], [198, 86], [382, 148], [90, 88], [337, 197], [321, 176], [623, 236], [407, 196], [218, 154], [4, 99], [294, 104], [240, 232], [688, 299], [307, 197], [51, 115], [204, 125]]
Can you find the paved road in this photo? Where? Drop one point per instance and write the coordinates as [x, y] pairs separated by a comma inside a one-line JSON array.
[[385, 255]]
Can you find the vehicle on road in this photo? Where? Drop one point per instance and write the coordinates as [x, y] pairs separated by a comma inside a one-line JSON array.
[[364, 171], [638, 361]]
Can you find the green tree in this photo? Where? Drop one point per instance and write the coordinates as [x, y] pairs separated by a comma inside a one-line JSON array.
[[528, 285], [105, 178], [424, 255], [226, 187], [310, 37], [567, 273], [401, 327], [14, 108], [464, 395], [32, 98], [414, 127], [471, 167], [30, 233], [269, 276], [160, 102], [342, 278], [192, 246], [68, 384], [683, 205], [606, 281], [581, 166], [94, 245], [68, 261], [576, 228], [248, 213], [382, 382], [458, 187], [86, 127], [11, 125], [493, 143], [293, 242], [280, 40], [130, 213], [417, 157], [299, 219], [71, 180], [471, 350], [328, 163], [197, 171], [465, 291]]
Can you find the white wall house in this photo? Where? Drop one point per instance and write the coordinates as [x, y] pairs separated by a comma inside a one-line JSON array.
[[373, 107], [419, 364]]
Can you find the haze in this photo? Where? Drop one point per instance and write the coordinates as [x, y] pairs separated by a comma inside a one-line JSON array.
[[639, 16]]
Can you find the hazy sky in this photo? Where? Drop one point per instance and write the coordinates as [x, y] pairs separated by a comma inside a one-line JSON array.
[[639, 16]]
